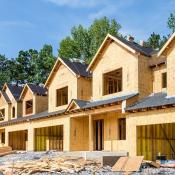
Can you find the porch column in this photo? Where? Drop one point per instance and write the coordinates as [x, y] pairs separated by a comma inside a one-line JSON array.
[[31, 139], [6, 138], [91, 144]]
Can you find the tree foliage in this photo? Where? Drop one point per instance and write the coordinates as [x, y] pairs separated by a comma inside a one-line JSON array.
[[171, 22], [30, 66], [84, 42]]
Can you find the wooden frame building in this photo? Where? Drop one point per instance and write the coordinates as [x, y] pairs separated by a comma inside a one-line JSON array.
[[123, 100]]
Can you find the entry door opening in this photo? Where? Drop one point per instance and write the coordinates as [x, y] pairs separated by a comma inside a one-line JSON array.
[[99, 134]]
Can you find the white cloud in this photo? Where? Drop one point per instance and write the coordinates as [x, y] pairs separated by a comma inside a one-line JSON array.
[[15, 24], [77, 3]]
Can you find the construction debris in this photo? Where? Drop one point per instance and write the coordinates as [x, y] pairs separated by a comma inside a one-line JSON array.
[[50, 165], [128, 164], [6, 150]]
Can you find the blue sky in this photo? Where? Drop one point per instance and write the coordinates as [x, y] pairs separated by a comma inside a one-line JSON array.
[[26, 24]]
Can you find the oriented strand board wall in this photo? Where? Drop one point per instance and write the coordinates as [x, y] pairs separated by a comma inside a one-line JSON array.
[[115, 57], [84, 88], [157, 83], [79, 134], [41, 104], [145, 77], [27, 96], [171, 70], [30, 126], [145, 118], [62, 78]]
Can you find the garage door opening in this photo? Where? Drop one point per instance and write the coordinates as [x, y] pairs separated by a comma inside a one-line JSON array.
[[18, 140], [156, 139], [49, 138]]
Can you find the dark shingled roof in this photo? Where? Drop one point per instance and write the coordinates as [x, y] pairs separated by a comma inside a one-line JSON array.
[[147, 51], [32, 117], [89, 104], [15, 90], [77, 67], [5, 96], [38, 90], [154, 100]]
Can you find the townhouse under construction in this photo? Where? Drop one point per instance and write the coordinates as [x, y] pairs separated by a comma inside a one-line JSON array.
[[124, 100]]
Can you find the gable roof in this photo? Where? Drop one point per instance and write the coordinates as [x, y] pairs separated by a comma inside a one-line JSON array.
[[35, 89], [14, 89], [5, 96], [166, 44], [129, 45], [77, 68], [152, 101]]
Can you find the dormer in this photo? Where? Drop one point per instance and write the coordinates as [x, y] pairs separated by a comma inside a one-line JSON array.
[[118, 68], [34, 99], [4, 106], [168, 53], [68, 80], [12, 92]]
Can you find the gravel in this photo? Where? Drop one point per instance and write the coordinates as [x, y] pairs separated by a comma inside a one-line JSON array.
[[24, 156]]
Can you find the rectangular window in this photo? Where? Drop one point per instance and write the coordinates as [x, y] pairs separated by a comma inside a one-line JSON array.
[[122, 129], [13, 112], [3, 137], [29, 107], [2, 114], [112, 82], [164, 80], [62, 96]]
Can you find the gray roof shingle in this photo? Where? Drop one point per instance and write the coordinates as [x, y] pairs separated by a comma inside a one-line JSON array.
[[154, 100], [77, 67], [147, 51], [38, 90], [5, 96], [15, 90]]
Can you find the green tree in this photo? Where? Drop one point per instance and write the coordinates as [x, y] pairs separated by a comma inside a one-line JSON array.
[[154, 41], [4, 70], [43, 64], [171, 22], [84, 42]]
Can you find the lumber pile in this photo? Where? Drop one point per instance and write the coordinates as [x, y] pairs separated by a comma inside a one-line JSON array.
[[49, 165], [6, 150]]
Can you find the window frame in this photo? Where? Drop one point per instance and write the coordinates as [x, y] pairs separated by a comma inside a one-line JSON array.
[[62, 101], [30, 109], [164, 80], [112, 86]]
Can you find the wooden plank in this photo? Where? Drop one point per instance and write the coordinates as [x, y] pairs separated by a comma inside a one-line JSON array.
[[119, 165], [133, 164]]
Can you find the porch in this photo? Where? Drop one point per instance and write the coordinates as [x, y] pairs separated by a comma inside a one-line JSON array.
[[97, 132]]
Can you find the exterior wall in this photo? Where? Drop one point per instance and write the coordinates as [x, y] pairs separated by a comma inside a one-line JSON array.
[[84, 88], [6, 106], [41, 103], [79, 134], [157, 83], [170, 71], [111, 131], [30, 126], [145, 118], [28, 96], [62, 78], [115, 57], [145, 77]]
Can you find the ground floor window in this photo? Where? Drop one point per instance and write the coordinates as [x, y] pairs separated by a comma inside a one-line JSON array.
[[122, 129], [3, 137]]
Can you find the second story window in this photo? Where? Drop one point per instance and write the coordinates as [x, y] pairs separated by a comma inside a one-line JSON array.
[[112, 82], [2, 114], [13, 112], [62, 96], [29, 107], [164, 80]]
